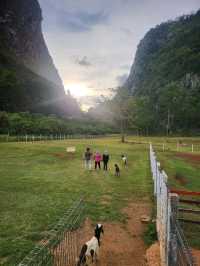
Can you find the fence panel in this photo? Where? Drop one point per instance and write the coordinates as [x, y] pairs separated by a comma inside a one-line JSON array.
[[174, 249], [61, 246]]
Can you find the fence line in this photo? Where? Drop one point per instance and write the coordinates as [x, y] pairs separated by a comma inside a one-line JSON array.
[[33, 138], [61, 245], [174, 249], [170, 146]]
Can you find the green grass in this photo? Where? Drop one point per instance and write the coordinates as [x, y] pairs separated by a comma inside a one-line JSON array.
[[150, 235], [182, 173], [39, 181]]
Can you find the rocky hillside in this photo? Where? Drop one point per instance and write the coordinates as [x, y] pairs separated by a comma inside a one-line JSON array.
[[166, 74], [29, 80], [167, 53]]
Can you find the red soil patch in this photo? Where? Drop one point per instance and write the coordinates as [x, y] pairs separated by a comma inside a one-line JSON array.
[[192, 158], [121, 244], [64, 156], [196, 254], [153, 255], [60, 155]]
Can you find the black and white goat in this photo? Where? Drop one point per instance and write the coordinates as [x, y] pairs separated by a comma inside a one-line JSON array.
[[91, 248]]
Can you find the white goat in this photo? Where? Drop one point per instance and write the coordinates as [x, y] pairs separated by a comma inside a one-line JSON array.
[[91, 248]]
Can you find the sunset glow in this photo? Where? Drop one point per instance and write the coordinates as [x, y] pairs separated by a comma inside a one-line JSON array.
[[77, 89]]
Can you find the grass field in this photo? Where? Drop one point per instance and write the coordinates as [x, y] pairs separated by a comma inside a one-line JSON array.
[[39, 181]]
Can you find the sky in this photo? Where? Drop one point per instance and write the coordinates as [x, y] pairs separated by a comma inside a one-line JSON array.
[[93, 42]]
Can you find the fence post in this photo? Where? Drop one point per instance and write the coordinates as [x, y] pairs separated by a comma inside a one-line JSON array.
[[168, 227], [192, 148], [173, 248]]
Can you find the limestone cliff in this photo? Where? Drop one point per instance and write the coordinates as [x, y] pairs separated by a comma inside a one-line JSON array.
[[29, 80], [20, 28]]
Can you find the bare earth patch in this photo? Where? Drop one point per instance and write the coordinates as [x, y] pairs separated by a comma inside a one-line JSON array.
[[153, 255], [121, 244], [192, 158], [196, 254], [64, 156], [60, 155]]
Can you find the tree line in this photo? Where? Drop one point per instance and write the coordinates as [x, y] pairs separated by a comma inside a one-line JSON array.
[[27, 123]]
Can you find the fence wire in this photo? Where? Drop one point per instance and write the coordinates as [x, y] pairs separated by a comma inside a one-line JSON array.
[[61, 245]]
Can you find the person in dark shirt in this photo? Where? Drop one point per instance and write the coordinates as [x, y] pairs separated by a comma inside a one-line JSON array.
[[105, 160], [88, 159]]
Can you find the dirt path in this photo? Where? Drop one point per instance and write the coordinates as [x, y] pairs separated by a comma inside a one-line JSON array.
[[196, 254], [122, 244]]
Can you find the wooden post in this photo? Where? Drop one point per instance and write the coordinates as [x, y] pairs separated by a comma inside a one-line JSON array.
[[192, 148], [173, 259], [163, 147]]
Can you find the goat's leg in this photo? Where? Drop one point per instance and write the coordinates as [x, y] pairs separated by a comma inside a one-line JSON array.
[[96, 259], [92, 254]]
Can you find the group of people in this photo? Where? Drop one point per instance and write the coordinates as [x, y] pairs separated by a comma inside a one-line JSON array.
[[98, 158]]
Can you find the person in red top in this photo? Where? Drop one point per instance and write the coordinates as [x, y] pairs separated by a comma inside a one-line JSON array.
[[97, 160]]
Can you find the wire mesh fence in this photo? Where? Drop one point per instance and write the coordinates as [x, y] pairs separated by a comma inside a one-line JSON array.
[[174, 249], [61, 245]]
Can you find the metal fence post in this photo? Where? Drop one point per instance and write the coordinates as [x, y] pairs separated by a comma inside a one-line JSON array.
[[173, 249]]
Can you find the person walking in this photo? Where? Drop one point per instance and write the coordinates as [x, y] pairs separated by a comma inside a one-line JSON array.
[[97, 160], [105, 160], [88, 159]]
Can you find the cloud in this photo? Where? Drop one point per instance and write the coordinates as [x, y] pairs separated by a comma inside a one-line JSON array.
[[81, 21], [121, 79], [89, 101], [94, 41], [83, 61], [127, 32]]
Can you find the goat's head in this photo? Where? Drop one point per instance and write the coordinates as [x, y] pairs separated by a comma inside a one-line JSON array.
[[98, 230]]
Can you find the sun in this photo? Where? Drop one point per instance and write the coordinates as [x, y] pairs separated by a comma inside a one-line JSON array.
[[77, 89]]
